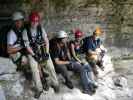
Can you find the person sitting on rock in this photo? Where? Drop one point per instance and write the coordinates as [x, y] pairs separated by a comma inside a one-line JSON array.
[[94, 50], [61, 57], [60, 54], [39, 43], [89, 85], [19, 50]]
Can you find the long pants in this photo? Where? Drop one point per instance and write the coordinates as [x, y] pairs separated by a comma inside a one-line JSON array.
[[49, 68], [34, 68], [87, 76], [85, 73], [63, 69], [93, 64]]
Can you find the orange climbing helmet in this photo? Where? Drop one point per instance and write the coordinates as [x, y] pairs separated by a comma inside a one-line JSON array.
[[98, 31]]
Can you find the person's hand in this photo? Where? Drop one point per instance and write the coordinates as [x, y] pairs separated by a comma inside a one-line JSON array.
[[70, 62], [79, 62], [30, 51], [19, 48], [82, 63], [103, 48], [98, 51]]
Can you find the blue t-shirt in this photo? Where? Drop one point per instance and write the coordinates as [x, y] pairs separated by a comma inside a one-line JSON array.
[[91, 44]]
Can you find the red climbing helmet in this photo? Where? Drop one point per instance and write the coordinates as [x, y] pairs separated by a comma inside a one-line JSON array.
[[78, 34], [34, 17]]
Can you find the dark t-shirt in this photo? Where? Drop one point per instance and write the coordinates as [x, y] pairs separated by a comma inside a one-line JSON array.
[[59, 52]]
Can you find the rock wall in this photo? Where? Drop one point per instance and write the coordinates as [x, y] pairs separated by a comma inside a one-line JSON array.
[[114, 16]]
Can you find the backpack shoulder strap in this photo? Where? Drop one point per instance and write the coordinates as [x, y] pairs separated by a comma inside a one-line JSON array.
[[39, 31], [19, 35], [29, 33]]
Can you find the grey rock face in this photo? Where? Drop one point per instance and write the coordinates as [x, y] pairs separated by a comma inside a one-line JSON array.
[[2, 95], [111, 86], [6, 66]]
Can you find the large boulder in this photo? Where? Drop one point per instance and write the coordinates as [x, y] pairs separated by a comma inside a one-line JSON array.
[[6, 66], [2, 95], [14, 86]]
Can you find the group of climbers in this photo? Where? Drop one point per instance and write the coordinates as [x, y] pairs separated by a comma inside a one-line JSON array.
[[28, 45]]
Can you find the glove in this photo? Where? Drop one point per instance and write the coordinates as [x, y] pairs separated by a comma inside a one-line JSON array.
[[70, 65], [70, 62], [82, 63], [23, 51]]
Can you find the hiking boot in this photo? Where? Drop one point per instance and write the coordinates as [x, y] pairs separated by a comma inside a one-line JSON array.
[[95, 86], [95, 72], [92, 90], [56, 88], [100, 64], [86, 91], [69, 84], [45, 84], [102, 68], [37, 94]]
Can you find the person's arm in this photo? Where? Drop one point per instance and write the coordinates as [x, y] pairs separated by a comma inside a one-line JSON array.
[[47, 44], [55, 55], [11, 39], [69, 55], [74, 53], [103, 48], [92, 52], [100, 47], [60, 62], [11, 49], [27, 43]]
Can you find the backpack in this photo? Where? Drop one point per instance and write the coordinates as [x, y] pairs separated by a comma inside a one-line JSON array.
[[3, 40]]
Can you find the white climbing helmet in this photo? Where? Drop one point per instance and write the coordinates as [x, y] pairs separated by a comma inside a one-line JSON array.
[[17, 16], [61, 34]]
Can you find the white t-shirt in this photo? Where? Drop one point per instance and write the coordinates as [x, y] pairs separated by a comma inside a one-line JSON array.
[[12, 38]]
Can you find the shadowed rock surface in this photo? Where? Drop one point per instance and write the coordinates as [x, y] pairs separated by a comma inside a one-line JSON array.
[[111, 85]]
